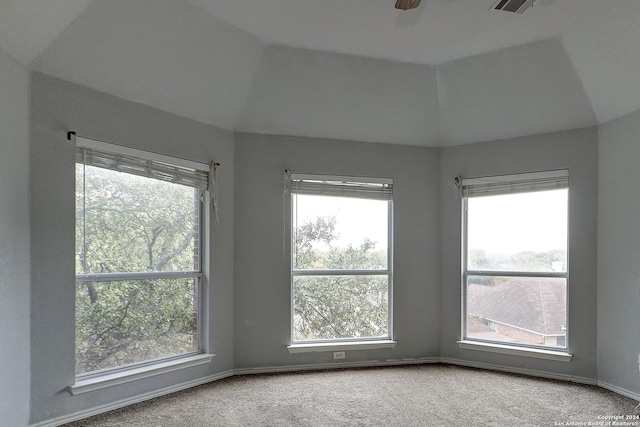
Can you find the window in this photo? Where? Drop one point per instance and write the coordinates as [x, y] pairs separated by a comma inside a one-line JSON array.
[[139, 253], [515, 259], [341, 258]]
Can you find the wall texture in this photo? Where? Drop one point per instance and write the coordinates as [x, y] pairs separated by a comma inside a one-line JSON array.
[[250, 290], [262, 286], [57, 107], [618, 253], [14, 242], [576, 151]]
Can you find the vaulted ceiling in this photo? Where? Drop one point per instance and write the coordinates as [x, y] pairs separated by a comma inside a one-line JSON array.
[[450, 72]]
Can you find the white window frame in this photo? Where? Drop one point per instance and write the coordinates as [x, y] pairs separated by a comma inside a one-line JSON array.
[[344, 186], [504, 185], [95, 380]]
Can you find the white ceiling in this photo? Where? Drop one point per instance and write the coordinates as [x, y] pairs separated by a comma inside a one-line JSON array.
[[27, 27], [438, 31], [449, 72]]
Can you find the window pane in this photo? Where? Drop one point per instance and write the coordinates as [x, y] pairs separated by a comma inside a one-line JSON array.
[[518, 232], [524, 310], [128, 223], [330, 307], [124, 322], [333, 233]]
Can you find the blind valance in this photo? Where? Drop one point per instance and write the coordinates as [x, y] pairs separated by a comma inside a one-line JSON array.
[[197, 177], [324, 185], [518, 183]]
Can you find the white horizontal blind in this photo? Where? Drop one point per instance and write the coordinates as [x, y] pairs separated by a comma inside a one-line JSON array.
[[324, 185], [519, 183], [177, 174]]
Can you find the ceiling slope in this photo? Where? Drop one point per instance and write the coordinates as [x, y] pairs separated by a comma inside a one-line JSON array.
[[357, 70], [309, 93], [167, 54], [27, 27], [514, 92], [606, 53]]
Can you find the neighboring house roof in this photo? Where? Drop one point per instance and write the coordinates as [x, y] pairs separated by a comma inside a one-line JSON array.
[[477, 329], [535, 304]]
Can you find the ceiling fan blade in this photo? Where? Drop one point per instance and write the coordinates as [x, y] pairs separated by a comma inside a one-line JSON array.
[[407, 4]]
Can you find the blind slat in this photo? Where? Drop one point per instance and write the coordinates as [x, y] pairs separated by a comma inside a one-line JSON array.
[[374, 188], [141, 167], [519, 183]]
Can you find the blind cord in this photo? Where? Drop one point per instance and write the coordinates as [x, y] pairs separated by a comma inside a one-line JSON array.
[[286, 189], [84, 209], [213, 188]]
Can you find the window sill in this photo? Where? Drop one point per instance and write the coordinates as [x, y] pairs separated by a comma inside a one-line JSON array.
[[122, 377], [560, 356], [340, 346]]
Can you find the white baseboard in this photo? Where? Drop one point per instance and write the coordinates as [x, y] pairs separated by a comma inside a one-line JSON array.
[[328, 366], [53, 422], [521, 371], [337, 365], [619, 390]]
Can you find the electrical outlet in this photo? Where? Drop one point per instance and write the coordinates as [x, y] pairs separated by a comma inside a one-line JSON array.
[[338, 355]]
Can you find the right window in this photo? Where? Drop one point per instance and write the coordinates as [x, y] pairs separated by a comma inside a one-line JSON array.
[[515, 259]]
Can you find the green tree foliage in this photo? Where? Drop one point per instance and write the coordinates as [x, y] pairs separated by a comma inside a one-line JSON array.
[[337, 306], [537, 261], [321, 230], [125, 224], [522, 261], [477, 260]]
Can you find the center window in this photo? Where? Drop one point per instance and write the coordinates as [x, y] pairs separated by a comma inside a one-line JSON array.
[[341, 258]]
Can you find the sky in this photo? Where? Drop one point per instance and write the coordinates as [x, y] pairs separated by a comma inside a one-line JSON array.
[[513, 223], [357, 219], [502, 225]]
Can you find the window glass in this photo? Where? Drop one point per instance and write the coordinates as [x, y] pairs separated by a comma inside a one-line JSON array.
[[341, 276], [515, 282], [333, 307], [525, 310], [129, 223], [138, 268], [123, 322], [336, 233], [518, 232]]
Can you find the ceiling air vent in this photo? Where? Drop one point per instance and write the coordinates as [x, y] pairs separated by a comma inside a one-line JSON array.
[[516, 6]]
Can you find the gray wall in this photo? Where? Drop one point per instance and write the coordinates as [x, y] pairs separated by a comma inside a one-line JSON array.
[[618, 253], [56, 107], [262, 277], [14, 243], [250, 298], [574, 150]]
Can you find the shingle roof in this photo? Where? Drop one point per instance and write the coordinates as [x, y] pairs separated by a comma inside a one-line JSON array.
[[535, 304]]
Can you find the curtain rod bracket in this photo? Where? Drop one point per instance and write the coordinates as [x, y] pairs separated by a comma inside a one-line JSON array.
[[70, 135]]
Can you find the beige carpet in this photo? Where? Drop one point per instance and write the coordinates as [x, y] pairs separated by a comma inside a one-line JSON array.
[[420, 395]]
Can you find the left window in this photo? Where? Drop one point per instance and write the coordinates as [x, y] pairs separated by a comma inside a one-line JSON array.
[[139, 256]]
